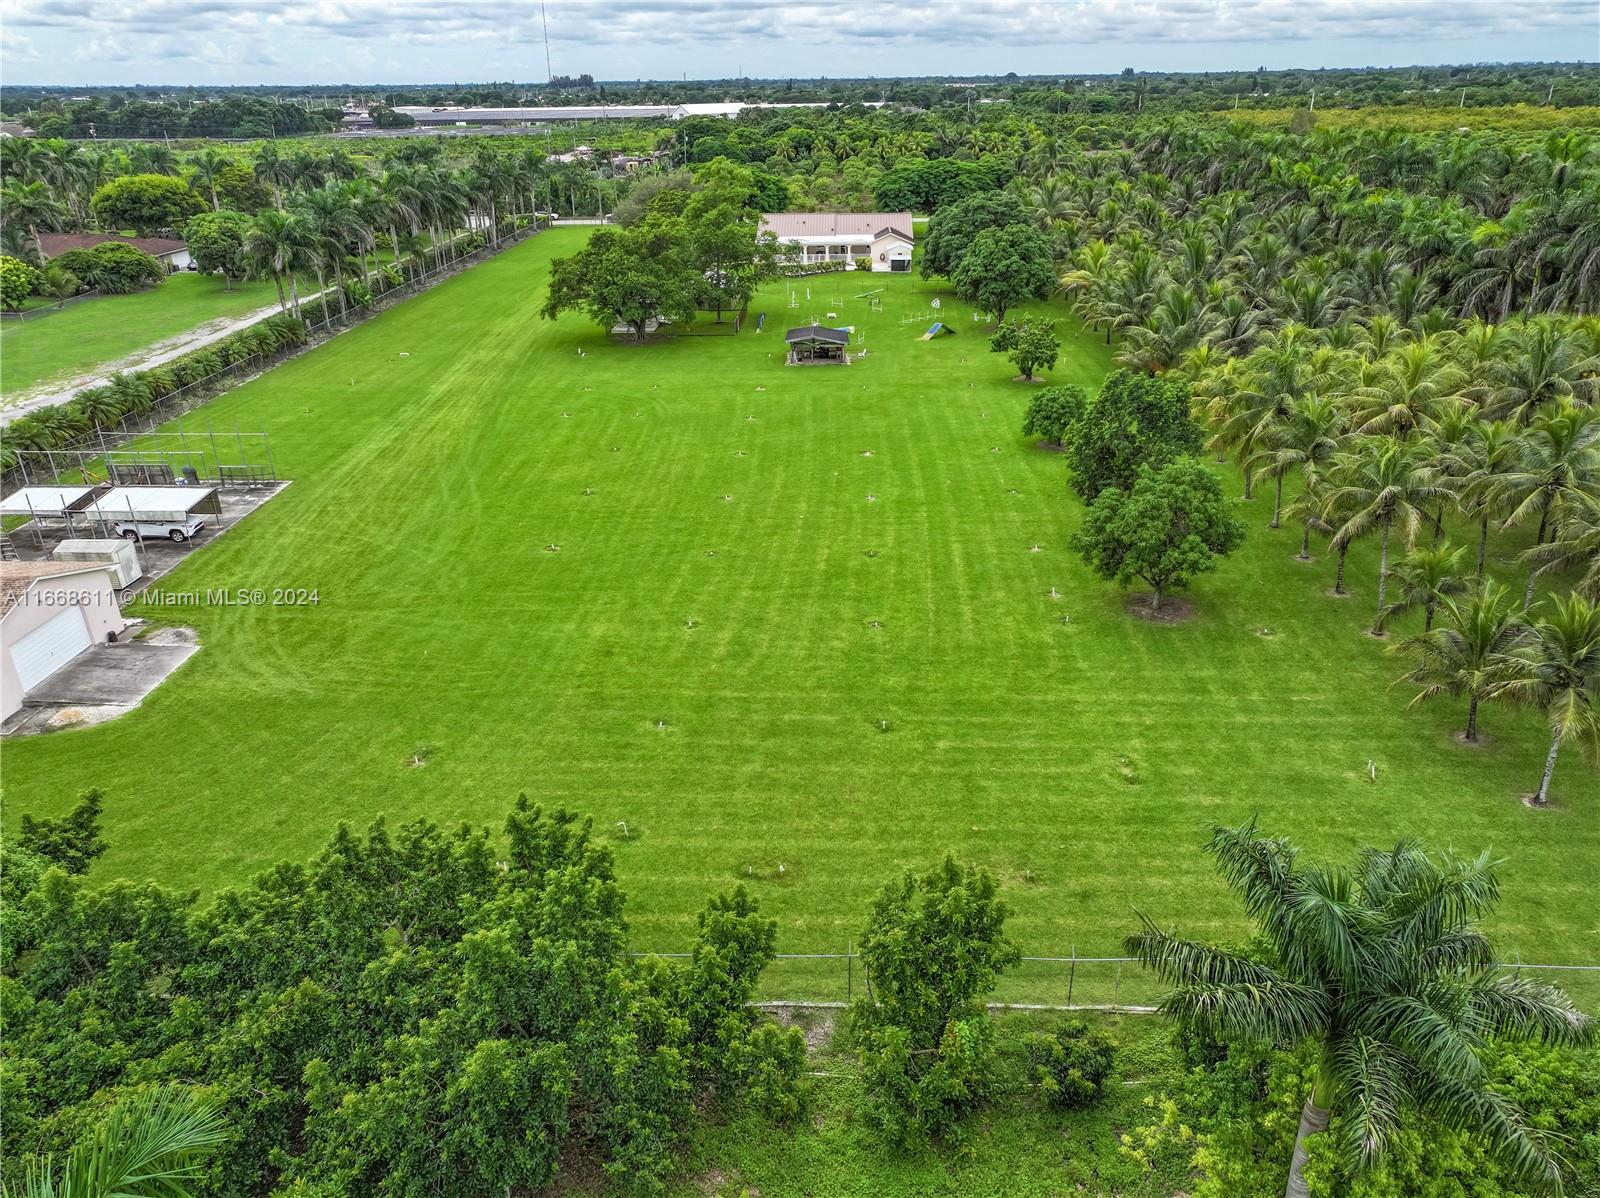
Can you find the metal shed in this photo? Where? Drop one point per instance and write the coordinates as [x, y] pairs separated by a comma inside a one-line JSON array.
[[817, 345]]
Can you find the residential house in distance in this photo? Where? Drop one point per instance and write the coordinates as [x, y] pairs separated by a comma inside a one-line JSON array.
[[884, 237], [172, 253]]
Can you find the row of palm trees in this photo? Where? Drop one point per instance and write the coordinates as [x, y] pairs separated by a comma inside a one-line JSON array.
[[1491, 430], [1490, 647], [1491, 425], [1191, 256], [1408, 355], [49, 184]]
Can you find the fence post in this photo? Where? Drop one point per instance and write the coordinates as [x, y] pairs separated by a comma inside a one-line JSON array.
[[1072, 974], [849, 970], [1116, 988]]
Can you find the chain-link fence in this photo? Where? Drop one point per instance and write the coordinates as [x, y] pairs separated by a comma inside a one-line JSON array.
[[183, 400], [1064, 983], [44, 310]]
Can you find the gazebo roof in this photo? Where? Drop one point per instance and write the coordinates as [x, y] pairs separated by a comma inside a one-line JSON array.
[[817, 332]]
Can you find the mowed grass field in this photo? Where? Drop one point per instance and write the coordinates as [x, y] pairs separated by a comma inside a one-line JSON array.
[[800, 627], [86, 335]]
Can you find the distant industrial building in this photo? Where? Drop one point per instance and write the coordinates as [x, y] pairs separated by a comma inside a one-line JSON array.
[[455, 114]]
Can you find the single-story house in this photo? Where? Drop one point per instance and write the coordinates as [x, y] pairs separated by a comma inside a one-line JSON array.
[[817, 345], [14, 129], [884, 237], [174, 254], [49, 613]]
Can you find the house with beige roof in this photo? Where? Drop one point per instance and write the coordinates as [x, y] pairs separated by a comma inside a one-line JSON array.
[[817, 237]]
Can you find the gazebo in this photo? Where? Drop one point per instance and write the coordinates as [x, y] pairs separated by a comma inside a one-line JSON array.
[[817, 345]]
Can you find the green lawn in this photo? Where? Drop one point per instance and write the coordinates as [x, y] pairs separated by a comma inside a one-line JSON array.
[[713, 652], [82, 337]]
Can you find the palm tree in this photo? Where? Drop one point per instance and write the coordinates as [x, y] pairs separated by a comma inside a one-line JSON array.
[[208, 167], [1575, 546], [152, 1143], [1560, 460], [1547, 361], [279, 244], [274, 170], [1410, 390], [1462, 656], [1492, 453], [1557, 670], [1424, 578], [152, 158], [1384, 487], [330, 221], [30, 205], [1305, 439], [1381, 967]]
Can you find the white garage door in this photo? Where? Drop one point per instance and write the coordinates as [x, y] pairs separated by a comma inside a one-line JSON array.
[[49, 647]]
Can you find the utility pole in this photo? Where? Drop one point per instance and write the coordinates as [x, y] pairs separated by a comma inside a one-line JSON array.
[[545, 25], [1313, 99]]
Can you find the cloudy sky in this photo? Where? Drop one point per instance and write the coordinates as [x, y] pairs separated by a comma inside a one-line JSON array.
[[401, 41]]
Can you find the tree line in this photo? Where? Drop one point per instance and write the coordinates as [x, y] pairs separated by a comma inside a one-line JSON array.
[[420, 1011]]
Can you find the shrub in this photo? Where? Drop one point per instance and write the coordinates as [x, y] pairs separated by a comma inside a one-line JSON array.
[[17, 281], [863, 263], [161, 382], [113, 267], [1072, 1065]]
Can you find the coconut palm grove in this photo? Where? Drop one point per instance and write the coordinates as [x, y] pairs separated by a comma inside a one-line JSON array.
[[1009, 635]]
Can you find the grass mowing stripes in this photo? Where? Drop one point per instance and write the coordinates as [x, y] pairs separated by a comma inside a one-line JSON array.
[[713, 650]]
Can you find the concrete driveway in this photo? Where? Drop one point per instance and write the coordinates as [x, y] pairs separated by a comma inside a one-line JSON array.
[[101, 683]]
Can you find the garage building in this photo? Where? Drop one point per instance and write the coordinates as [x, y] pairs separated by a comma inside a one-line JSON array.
[[49, 613]]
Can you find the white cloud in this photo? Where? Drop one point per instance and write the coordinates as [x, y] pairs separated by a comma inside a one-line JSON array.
[[622, 38]]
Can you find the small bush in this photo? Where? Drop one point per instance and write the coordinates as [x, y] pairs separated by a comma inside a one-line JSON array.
[[1071, 1066]]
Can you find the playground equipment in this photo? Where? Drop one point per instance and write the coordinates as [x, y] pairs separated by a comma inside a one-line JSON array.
[[937, 329]]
